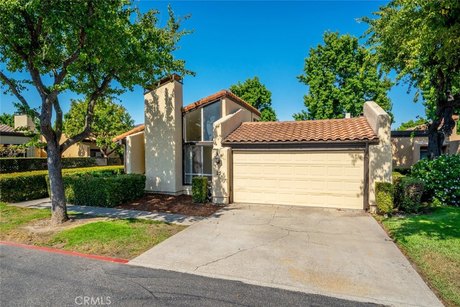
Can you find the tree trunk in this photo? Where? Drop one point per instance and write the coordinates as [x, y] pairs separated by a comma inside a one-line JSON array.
[[58, 205], [435, 141]]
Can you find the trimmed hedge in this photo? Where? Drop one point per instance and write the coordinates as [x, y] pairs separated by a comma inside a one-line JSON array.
[[103, 189], [15, 187], [384, 197], [408, 194], [13, 165], [199, 189]]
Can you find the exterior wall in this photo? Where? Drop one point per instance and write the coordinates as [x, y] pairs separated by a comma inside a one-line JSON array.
[[406, 150], [222, 180], [380, 155], [135, 154], [230, 107], [163, 138], [14, 140]]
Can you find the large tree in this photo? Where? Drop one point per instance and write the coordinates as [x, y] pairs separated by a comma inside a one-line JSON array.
[[91, 48], [110, 119], [411, 124], [256, 94], [341, 76], [7, 119], [420, 40]]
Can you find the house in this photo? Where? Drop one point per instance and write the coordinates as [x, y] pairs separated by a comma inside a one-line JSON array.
[[322, 163], [10, 137], [409, 146]]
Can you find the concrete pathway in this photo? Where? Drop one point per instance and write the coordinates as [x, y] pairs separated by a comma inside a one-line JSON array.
[[344, 254], [115, 213]]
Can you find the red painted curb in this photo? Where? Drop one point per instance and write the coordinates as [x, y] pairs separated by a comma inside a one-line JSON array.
[[64, 252]]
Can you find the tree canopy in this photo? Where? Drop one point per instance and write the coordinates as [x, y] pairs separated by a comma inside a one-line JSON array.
[[7, 119], [341, 76], [110, 120], [420, 40], [92, 48], [256, 94], [412, 124]]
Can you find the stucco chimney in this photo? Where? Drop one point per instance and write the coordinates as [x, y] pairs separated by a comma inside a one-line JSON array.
[[163, 136], [22, 121]]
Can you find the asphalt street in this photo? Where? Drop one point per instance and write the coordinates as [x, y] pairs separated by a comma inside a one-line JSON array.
[[38, 278]]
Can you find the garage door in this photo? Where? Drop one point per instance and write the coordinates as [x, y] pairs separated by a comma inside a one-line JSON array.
[[304, 178]]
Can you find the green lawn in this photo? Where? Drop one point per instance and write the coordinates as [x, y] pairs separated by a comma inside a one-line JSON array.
[[116, 238], [432, 242]]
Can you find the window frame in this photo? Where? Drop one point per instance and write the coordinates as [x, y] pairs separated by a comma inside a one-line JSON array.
[[202, 143]]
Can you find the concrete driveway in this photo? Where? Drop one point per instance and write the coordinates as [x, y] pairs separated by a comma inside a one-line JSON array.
[[338, 253]]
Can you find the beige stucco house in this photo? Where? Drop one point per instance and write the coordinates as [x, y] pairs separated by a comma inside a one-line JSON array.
[[410, 146], [321, 163], [18, 136]]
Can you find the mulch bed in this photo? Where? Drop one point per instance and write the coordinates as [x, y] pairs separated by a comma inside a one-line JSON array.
[[181, 204]]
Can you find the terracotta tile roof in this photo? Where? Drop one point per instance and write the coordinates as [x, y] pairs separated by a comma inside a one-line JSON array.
[[329, 130], [136, 129], [219, 95]]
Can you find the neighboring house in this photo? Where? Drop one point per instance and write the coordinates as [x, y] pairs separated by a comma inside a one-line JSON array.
[[17, 136], [410, 146], [10, 136], [322, 163]]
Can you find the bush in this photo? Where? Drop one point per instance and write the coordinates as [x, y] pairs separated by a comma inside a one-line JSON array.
[[13, 165], [408, 194], [441, 177], [103, 189], [15, 187], [384, 197], [199, 189]]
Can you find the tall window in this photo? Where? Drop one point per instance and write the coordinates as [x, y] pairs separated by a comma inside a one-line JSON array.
[[198, 137]]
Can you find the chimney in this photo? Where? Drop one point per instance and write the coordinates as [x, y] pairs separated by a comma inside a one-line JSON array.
[[163, 136], [347, 115], [23, 121]]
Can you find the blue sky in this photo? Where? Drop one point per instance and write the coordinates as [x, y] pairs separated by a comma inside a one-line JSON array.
[[236, 40]]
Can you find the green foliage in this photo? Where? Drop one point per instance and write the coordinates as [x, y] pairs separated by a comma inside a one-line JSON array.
[[199, 189], [7, 119], [441, 177], [256, 94], [110, 120], [23, 186], [408, 194], [103, 189], [268, 115], [384, 197], [420, 41], [412, 124], [13, 165], [341, 76]]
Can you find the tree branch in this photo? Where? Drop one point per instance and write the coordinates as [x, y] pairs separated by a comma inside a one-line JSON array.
[[16, 93], [94, 97]]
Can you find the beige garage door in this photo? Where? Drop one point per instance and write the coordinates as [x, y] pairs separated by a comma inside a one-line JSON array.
[[304, 178]]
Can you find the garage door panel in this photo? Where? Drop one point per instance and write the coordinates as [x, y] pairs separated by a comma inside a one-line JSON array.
[[325, 179]]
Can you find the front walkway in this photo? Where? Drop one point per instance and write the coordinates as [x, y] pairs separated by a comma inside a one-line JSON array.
[[115, 213], [338, 253]]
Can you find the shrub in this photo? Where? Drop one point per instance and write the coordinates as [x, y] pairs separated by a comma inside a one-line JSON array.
[[199, 189], [13, 165], [441, 177], [384, 197], [408, 194], [15, 187], [103, 190]]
